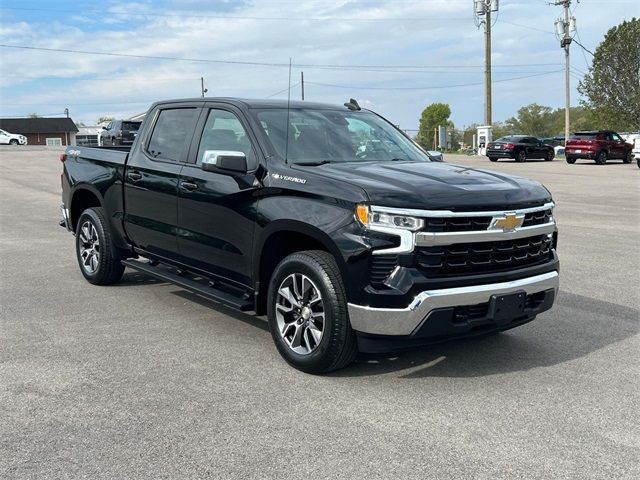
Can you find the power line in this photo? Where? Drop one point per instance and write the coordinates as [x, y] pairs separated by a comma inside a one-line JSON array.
[[434, 87], [283, 90], [398, 68], [237, 17]]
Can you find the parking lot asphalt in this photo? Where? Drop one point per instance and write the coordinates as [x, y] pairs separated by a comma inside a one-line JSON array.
[[144, 380]]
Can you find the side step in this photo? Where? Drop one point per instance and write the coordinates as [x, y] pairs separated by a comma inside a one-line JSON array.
[[194, 286]]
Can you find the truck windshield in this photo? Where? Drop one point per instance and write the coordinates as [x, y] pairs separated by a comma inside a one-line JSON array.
[[319, 136]]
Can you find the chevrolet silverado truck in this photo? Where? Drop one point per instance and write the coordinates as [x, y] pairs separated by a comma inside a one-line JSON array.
[[327, 219], [599, 146]]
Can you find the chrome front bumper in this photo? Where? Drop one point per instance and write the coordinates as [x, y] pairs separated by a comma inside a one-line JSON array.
[[404, 321]]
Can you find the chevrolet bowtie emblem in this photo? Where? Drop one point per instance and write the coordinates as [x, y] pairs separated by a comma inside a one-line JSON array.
[[509, 222]]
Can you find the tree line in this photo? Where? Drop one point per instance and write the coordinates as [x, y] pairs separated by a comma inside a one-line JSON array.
[[610, 89]]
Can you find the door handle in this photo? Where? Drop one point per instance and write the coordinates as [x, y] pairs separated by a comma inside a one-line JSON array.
[[188, 186], [134, 176]]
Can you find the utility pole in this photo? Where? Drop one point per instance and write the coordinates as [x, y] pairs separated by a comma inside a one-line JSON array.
[[565, 29], [202, 89], [483, 10], [302, 84]]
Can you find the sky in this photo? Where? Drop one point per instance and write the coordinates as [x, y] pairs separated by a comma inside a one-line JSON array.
[[393, 56]]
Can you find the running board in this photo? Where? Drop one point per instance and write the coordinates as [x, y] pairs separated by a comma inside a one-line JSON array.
[[194, 286]]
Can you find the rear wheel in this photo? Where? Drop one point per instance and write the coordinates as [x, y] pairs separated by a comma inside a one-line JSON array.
[[571, 160], [94, 249], [521, 156], [307, 311], [493, 159], [601, 159]]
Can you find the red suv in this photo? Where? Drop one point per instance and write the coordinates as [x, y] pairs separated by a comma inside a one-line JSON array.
[[600, 146]]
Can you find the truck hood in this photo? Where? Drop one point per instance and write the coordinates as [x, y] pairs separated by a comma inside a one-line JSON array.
[[433, 185]]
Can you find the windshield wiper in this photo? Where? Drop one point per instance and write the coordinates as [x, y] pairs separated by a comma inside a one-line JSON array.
[[313, 164]]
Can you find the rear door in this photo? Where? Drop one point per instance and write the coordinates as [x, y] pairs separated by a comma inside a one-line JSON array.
[[151, 179], [216, 211]]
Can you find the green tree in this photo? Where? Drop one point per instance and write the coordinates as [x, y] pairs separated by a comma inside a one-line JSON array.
[[432, 116], [33, 115], [104, 119], [612, 86], [533, 120]]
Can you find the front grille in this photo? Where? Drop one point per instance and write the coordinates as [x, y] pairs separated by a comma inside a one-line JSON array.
[[456, 224], [537, 218], [485, 257], [381, 267]]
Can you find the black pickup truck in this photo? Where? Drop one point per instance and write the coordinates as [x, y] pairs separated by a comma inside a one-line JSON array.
[[327, 219]]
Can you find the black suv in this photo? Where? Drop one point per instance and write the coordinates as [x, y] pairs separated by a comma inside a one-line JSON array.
[[119, 132]]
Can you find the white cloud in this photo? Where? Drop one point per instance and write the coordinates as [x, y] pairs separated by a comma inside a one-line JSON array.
[[113, 82]]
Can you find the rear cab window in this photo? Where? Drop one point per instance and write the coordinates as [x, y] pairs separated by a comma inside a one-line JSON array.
[[172, 133]]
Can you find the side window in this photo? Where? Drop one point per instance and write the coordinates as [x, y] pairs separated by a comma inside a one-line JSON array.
[[170, 135], [616, 137], [224, 131]]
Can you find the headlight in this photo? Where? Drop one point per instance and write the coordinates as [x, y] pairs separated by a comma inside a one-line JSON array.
[[387, 220]]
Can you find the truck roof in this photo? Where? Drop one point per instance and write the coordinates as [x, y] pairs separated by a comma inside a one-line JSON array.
[[256, 103]]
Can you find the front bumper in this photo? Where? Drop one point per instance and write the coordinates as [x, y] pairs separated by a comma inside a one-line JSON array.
[[416, 318]]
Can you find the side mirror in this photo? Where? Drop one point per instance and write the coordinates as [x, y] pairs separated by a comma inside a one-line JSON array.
[[224, 161], [104, 127]]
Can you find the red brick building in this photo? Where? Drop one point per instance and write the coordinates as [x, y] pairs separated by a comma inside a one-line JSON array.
[[42, 131]]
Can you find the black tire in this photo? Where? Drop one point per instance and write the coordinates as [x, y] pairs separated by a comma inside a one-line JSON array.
[[570, 160], [114, 142], [493, 159], [638, 162], [601, 159], [550, 156], [108, 268], [13, 141], [521, 156], [337, 346], [628, 158]]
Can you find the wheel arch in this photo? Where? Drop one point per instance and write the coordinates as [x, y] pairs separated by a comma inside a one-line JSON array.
[[83, 197], [280, 239]]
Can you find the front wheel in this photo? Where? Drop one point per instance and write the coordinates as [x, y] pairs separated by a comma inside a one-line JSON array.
[[550, 156], [493, 159], [94, 249], [521, 156], [13, 141], [628, 158], [307, 311]]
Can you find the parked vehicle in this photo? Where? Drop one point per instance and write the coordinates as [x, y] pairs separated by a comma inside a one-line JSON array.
[[634, 140], [600, 146], [119, 132], [7, 138], [520, 148], [277, 210]]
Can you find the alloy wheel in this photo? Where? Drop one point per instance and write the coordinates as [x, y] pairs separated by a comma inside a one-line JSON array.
[[300, 313], [89, 248]]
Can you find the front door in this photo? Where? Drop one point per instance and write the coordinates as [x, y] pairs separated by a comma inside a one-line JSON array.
[[151, 181], [216, 211], [618, 147]]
